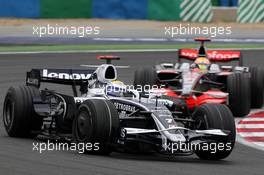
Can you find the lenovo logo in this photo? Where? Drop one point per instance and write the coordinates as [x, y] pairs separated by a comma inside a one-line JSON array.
[[64, 75]]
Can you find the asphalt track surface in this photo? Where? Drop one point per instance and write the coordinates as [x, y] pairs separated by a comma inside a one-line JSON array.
[[17, 157]]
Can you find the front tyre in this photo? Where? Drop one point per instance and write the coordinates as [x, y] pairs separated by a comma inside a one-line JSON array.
[[96, 123], [215, 116]]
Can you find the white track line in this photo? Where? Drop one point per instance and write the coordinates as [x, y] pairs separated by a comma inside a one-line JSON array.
[[250, 126], [261, 144], [253, 119], [255, 145], [254, 111], [251, 134]]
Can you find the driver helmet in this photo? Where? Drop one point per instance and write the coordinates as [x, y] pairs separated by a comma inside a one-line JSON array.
[[116, 88], [118, 82], [202, 63]]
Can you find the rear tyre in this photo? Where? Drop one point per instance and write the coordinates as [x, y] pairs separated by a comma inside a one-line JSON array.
[[19, 116], [257, 85], [146, 76], [239, 89], [215, 116], [96, 123]]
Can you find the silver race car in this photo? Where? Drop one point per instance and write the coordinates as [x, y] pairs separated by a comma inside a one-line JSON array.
[[106, 112]]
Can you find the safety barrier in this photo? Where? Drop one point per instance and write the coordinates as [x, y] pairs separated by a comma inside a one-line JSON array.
[[164, 10], [18, 8], [196, 10], [65, 8], [227, 3], [120, 9], [186, 10], [250, 11]]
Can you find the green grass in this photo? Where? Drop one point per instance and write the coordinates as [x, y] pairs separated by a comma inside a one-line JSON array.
[[119, 47]]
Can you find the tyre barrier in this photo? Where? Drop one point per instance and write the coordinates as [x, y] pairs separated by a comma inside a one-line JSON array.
[[250, 11]]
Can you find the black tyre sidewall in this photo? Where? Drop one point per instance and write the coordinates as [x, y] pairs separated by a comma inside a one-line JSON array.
[[24, 119], [239, 89], [217, 116], [257, 84], [146, 76], [105, 125]]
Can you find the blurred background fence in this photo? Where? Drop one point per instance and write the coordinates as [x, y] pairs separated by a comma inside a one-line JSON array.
[[243, 11], [250, 11]]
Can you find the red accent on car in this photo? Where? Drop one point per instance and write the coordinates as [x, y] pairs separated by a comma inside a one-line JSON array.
[[108, 57], [202, 39], [213, 55], [193, 102]]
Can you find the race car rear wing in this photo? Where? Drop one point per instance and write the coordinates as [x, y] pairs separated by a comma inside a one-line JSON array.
[[108, 58], [213, 55], [58, 76]]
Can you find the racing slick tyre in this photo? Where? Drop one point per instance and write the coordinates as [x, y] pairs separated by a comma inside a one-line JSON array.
[[19, 116], [96, 123], [257, 87], [215, 116], [146, 76], [239, 89]]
